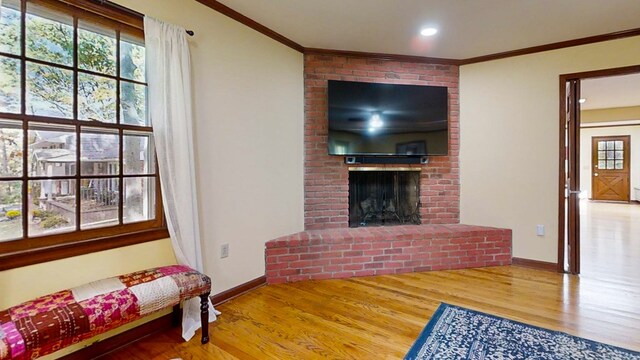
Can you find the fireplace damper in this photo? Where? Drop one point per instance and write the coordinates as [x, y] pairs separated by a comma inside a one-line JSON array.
[[384, 198]]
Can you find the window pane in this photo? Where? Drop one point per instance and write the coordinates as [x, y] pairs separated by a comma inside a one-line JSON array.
[[10, 148], [602, 164], [138, 154], [610, 145], [96, 98], [619, 145], [619, 165], [139, 199], [601, 145], [610, 155], [610, 164], [619, 155], [49, 91], [132, 59], [133, 104], [96, 49], [10, 94], [10, 27], [49, 36], [99, 203], [52, 150], [602, 154], [10, 210], [52, 206], [99, 152]]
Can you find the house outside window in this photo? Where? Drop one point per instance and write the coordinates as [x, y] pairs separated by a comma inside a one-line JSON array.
[[77, 157]]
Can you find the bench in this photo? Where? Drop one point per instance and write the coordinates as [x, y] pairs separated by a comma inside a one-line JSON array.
[[52, 322]]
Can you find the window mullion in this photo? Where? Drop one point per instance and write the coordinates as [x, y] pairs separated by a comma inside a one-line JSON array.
[[25, 125], [78, 128], [120, 136]]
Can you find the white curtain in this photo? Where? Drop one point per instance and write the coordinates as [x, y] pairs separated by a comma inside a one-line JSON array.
[[169, 79]]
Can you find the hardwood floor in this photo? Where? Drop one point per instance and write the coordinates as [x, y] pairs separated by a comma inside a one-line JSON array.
[[380, 317], [610, 241]]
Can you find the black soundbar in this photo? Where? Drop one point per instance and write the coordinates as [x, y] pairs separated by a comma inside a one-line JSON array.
[[386, 160]]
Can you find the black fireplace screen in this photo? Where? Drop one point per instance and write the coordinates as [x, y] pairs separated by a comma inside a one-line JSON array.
[[378, 198]]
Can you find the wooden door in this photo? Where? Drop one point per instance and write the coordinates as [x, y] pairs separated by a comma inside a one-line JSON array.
[[572, 174], [610, 177]]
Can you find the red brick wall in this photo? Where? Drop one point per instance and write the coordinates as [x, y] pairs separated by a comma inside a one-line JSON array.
[[344, 253], [326, 178]]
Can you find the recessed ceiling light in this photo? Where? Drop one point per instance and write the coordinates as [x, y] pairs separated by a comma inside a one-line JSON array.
[[428, 31], [582, 101]]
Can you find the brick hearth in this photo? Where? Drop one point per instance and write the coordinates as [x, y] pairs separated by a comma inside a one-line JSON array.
[[343, 253]]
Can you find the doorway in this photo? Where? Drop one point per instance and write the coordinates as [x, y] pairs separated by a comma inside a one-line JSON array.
[[607, 171]]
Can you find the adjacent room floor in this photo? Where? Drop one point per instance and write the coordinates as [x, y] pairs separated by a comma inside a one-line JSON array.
[[380, 317], [610, 241]]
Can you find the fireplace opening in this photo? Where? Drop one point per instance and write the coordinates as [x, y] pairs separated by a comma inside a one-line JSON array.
[[384, 198]]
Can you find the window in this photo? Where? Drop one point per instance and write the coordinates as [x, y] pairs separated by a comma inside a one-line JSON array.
[[77, 158]]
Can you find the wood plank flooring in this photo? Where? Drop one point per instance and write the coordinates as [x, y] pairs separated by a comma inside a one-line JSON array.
[[610, 241], [380, 317]]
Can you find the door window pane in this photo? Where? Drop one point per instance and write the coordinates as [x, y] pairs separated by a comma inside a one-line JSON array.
[[610, 164], [619, 155], [10, 27], [99, 201], [49, 36], [49, 91], [619, 165], [601, 145], [52, 206], [52, 150], [99, 152], [139, 199], [10, 210], [602, 164], [602, 155], [10, 95], [619, 145], [96, 98], [96, 49], [610, 145], [10, 148]]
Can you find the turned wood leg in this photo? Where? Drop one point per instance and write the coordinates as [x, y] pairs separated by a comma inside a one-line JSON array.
[[175, 315], [204, 317]]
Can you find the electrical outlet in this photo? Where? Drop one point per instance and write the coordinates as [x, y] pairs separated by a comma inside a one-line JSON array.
[[224, 251], [540, 230]]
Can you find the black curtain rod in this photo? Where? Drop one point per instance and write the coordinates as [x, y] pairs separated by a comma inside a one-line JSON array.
[[129, 11]]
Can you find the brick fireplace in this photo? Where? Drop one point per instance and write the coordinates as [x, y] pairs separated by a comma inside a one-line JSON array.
[[329, 248], [327, 177]]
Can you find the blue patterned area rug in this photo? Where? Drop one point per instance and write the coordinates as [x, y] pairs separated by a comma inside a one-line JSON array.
[[458, 333]]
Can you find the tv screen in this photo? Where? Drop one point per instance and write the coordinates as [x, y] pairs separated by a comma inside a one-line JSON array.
[[387, 119]]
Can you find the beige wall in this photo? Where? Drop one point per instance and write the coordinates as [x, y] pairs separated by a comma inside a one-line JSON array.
[[248, 102], [629, 113], [585, 157], [509, 139], [248, 107]]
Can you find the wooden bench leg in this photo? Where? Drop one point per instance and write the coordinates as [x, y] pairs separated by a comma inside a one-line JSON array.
[[204, 317], [176, 316]]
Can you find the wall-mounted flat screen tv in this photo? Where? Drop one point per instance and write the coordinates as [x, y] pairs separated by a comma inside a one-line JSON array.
[[387, 119]]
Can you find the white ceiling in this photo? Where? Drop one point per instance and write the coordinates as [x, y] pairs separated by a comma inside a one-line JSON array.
[[467, 28], [610, 92]]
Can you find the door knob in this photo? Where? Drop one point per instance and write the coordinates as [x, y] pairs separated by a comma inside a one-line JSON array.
[[595, 174]]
